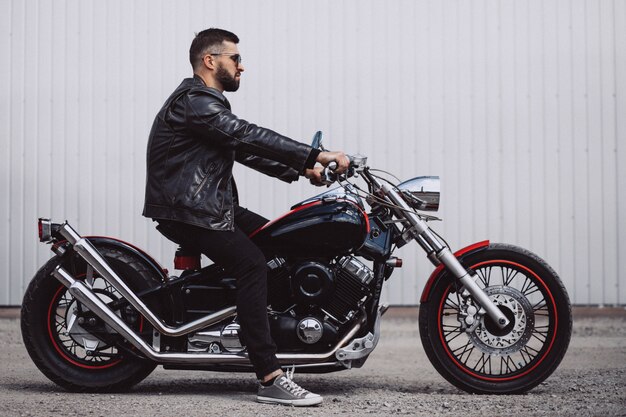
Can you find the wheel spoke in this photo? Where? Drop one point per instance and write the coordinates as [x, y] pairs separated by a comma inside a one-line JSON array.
[[508, 276], [72, 347], [452, 330], [540, 337], [451, 304], [507, 365], [521, 296], [465, 350], [65, 306], [528, 353], [484, 276], [541, 333], [481, 365], [59, 326], [529, 287]]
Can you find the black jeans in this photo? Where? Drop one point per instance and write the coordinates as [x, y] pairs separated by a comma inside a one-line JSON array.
[[241, 258]]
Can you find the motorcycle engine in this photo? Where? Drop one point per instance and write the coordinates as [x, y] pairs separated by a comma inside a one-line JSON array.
[[337, 289], [310, 302], [313, 301]]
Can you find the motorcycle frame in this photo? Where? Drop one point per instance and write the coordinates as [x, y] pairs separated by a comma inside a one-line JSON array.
[[349, 351]]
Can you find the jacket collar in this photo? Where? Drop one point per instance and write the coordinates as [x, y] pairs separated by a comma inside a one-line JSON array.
[[197, 81]]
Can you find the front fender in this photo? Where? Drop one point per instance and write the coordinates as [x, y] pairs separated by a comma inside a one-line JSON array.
[[478, 246]]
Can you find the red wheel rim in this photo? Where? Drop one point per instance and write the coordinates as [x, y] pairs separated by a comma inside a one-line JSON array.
[[536, 361], [61, 350]]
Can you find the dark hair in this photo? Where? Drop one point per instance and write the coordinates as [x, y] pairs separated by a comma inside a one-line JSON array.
[[208, 39]]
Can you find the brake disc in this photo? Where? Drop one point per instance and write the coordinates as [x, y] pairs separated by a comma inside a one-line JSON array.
[[489, 338]]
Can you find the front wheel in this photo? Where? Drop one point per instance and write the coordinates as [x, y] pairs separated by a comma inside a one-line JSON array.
[[469, 350]]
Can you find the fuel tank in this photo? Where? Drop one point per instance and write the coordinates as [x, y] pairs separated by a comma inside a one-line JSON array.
[[325, 226]]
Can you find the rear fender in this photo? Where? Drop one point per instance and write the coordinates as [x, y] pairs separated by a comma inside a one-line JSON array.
[[139, 254], [460, 254]]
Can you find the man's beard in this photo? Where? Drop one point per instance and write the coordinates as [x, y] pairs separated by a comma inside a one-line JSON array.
[[229, 82]]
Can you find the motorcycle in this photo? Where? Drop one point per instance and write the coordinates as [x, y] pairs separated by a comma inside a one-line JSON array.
[[493, 318]]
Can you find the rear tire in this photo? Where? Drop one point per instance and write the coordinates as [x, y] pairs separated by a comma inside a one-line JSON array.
[[488, 360], [63, 350]]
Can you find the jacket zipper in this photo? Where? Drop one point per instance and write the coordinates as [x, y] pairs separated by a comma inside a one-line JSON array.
[[204, 180]]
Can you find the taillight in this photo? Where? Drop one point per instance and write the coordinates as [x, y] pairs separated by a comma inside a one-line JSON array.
[[45, 230], [186, 261]]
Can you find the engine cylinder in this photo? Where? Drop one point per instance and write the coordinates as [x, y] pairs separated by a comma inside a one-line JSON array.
[[351, 290]]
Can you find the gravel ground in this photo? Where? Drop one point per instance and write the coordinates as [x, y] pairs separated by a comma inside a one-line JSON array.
[[396, 380]]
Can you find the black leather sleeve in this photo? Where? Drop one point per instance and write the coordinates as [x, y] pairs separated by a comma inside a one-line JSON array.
[[273, 168], [268, 167], [209, 119]]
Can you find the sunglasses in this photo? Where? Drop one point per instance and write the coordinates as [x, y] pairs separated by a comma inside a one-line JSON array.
[[235, 57]]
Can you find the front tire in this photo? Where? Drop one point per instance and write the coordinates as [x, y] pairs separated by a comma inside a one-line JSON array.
[[85, 355], [476, 355]]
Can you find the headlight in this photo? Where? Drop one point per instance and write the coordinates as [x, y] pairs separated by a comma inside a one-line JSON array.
[[421, 193]]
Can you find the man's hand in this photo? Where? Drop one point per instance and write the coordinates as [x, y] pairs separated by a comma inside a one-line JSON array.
[[315, 176], [343, 163]]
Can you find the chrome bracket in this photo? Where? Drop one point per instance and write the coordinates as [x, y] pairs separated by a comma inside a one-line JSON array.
[[90, 345], [363, 346], [410, 234], [156, 340], [89, 278]]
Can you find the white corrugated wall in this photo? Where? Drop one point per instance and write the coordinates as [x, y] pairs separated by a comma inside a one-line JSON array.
[[519, 106]]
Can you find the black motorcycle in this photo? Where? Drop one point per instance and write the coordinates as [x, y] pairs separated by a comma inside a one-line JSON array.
[[493, 318]]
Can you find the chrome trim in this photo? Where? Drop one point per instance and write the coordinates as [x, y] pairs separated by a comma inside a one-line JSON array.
[[45, 227], [405, 211], [156, 341], [422, 193], [345, 192], [357, 269], [310, 330], [449, 260], [420, 229], [91, 255], [363, 346], [83, 294], [359, 162], [226, 336], [317, 365], [69, 233]]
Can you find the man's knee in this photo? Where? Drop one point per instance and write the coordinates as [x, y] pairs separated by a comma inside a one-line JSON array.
[[252, 264]]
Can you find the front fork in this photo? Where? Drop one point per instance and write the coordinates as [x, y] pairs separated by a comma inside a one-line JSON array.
[[439, 253]]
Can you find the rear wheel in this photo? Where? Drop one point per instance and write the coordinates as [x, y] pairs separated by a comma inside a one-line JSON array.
[[70, 344], [471, 351]]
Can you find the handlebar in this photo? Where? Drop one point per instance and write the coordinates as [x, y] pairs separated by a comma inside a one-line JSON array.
[[357, 163], [328, 173]]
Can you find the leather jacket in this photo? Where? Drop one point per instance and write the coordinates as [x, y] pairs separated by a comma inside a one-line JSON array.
[[193, 144]]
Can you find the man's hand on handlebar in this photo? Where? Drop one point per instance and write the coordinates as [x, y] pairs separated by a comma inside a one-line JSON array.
[[343, 163], [315, 176]]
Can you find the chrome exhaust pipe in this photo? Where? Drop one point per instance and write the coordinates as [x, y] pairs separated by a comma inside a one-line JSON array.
[[91, 255], [82, 293]]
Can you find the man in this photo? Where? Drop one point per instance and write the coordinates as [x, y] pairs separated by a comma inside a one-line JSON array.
[[194, 142]]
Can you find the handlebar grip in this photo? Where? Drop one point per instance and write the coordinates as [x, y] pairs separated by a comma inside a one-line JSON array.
[[328, 175]]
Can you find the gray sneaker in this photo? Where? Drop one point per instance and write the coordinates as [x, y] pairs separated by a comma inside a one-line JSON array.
[[285, 391]]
